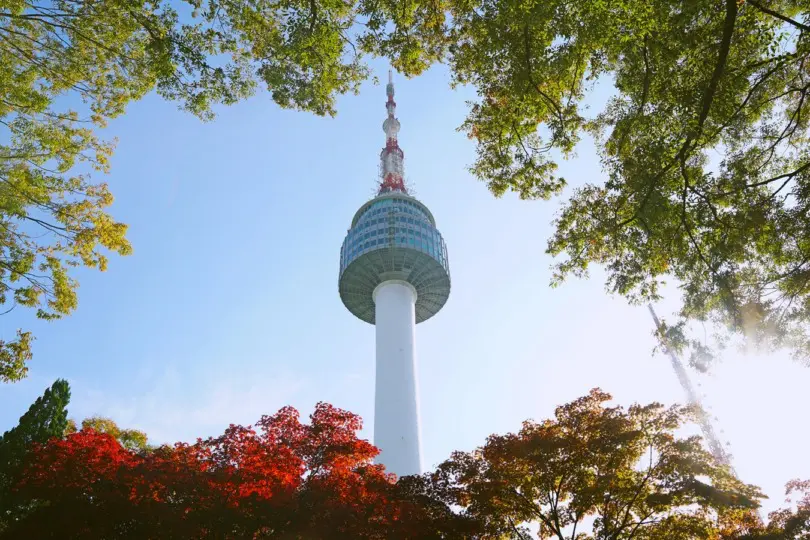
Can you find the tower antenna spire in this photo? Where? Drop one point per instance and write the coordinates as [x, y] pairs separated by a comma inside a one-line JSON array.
[[392, 169]]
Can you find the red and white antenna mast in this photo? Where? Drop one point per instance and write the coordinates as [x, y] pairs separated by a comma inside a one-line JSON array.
[[391, 157]]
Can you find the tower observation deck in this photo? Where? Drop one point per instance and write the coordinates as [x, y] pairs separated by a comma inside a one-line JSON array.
[[394, 273]]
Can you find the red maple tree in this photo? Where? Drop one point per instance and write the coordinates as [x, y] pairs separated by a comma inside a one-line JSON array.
[[280, 479]]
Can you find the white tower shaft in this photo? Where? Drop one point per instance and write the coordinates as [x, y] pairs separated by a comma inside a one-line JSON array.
[[396, 409]]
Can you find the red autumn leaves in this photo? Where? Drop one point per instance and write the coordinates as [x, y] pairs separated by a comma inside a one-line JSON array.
[[282, 478]]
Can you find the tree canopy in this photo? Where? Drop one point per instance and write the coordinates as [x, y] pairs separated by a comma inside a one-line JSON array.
[[283, 479], [791, 522], [704, 145], [622, 473], [68, 66], [592, 472]]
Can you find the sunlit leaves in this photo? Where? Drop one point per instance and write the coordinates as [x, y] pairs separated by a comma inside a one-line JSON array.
[[412, 34], [794, 521], [13, 357], [704, 146], [130, 439], [68, 67], [622, 470]]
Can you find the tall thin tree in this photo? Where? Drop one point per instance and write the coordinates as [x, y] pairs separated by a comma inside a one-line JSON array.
[[45, 419]]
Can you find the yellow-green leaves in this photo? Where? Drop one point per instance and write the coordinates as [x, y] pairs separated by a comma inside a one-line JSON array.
[[704, 146], [131, 439], [412, 34], [13, 357], [99, 56], [529, 62]]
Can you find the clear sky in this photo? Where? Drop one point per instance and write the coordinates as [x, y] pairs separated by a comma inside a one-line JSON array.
[[229, 309]]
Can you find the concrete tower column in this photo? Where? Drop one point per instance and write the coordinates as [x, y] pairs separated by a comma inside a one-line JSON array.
[[396, 411]]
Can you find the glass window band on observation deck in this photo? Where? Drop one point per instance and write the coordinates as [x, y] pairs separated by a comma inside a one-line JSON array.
[[393, 221], [394, 237]]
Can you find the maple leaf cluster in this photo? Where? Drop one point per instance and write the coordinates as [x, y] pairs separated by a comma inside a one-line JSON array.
[[281, 478]]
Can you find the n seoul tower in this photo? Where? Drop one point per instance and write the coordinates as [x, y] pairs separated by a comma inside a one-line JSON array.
[[394, 274]]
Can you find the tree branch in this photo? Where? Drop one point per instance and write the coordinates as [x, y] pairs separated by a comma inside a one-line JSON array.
[[514, 528], [719, 69], [776, 14]]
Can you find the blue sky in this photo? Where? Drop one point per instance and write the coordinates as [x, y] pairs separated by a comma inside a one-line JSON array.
[[229, 309]]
